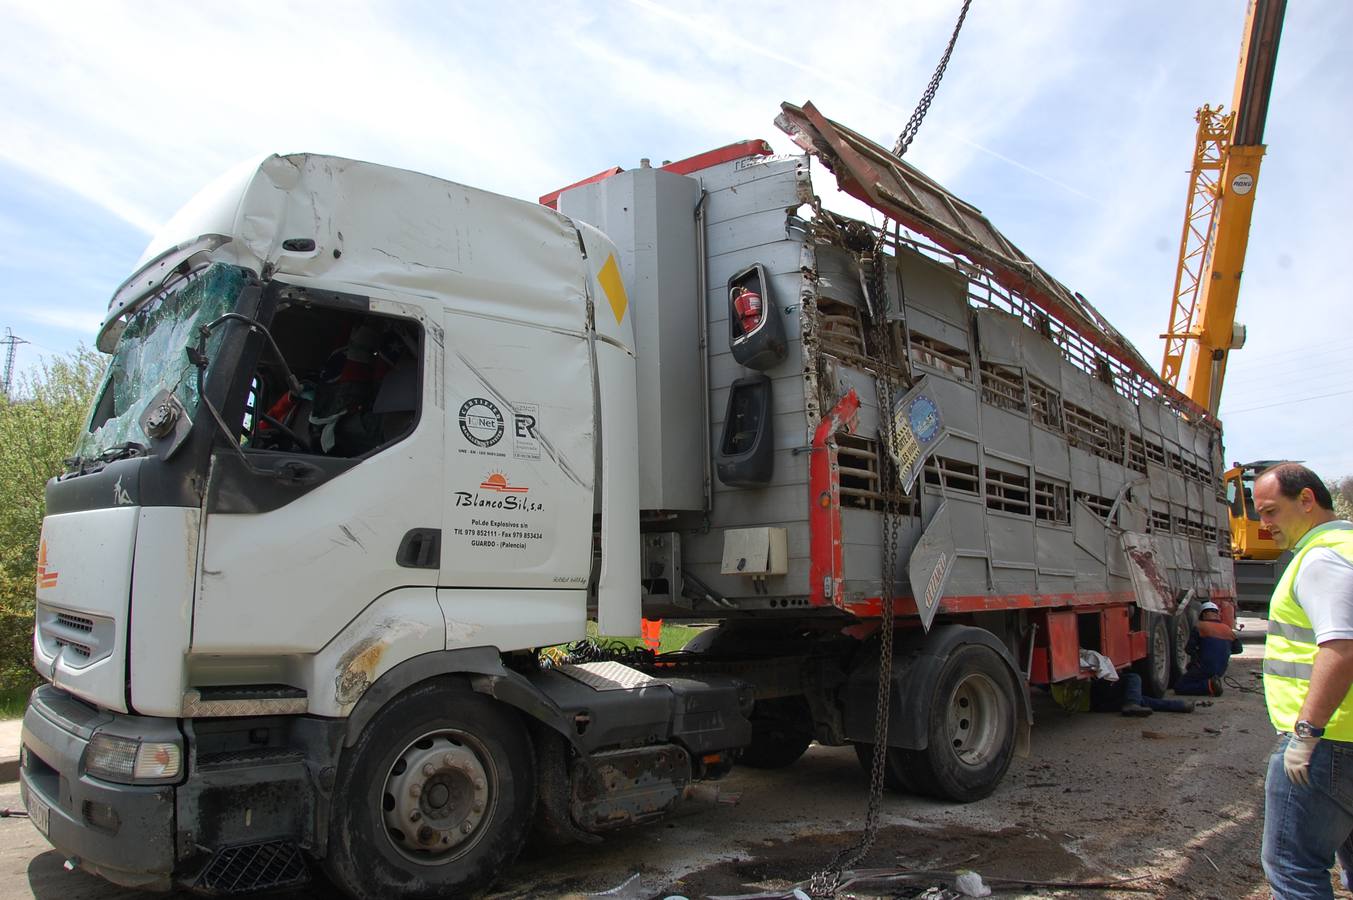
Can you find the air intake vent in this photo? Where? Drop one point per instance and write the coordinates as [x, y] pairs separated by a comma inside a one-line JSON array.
[[84, 651], [79, 623], [80, 638], [254, 867]]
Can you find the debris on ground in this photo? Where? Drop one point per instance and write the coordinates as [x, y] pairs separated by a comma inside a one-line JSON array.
[[970, 884], [704, 792], [629, 889]]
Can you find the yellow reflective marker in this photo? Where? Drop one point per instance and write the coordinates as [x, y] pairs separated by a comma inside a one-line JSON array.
[[614, 287]]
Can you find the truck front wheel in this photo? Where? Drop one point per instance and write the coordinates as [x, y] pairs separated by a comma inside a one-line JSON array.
[[896, 767], [434, 798], [971, 729], [782, 729]]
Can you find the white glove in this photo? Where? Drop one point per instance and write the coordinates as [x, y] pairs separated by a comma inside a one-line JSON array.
[[1297, 759]]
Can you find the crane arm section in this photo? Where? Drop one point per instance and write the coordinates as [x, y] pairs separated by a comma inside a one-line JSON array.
[[1228, 151]]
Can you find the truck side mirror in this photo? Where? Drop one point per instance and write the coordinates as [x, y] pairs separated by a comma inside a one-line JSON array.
[[166, 422], [756, 333], [745, 455]]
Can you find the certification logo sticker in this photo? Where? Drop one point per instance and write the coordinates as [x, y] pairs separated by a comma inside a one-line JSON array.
[[481, 422], [525, 431], [924, 418]]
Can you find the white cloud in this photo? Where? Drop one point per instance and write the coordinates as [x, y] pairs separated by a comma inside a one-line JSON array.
[[75, 320]]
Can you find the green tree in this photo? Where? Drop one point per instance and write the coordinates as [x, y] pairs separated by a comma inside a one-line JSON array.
[[38, 430], [1342, 489]]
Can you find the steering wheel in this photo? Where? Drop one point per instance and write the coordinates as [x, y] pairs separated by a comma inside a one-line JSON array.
[[297, 441]]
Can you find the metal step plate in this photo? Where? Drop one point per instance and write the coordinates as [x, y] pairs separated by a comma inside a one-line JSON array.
[[608, 676]]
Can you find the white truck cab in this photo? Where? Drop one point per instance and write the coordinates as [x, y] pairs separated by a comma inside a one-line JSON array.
[[368, 438]]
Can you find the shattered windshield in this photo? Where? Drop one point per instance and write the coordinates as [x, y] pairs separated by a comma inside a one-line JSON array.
[[151, 357]]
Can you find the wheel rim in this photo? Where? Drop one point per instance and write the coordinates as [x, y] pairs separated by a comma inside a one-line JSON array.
[[440, 792], [1181, 633], [976, 719], [1160, 653]]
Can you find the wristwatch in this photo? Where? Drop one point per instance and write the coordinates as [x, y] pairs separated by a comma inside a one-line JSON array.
[[1305, 729]]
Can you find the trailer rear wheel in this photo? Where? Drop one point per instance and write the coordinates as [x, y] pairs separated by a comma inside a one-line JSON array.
[[782, 729], [896, 774], [971, 729], [1181, 627], [1156, 667], [435, 797]]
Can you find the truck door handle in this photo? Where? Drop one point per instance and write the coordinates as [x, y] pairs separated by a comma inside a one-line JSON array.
[[297, 472], [421, 548]]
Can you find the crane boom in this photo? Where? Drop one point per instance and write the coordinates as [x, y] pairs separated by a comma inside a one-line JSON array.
[[1228, 151]]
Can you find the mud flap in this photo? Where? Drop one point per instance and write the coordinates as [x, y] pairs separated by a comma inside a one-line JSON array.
[[1150, 579], [931, 564]]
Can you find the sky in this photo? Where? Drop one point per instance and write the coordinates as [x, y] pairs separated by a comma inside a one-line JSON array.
[[1070, 124]]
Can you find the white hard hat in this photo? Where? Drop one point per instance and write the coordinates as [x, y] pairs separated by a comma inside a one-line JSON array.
[[1209, 606]]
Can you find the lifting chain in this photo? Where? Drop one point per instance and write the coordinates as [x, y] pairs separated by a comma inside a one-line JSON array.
[[923, 106], [824, 883]]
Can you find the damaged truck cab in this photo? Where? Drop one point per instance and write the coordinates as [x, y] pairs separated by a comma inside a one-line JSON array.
[[340, 481]]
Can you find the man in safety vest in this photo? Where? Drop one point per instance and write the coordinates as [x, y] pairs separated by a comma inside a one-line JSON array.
[[1308, 668]]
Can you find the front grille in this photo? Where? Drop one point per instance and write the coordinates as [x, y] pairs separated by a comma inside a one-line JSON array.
[[84, 651], [254, 867], [254, 756], [80, 638], [79, 623]]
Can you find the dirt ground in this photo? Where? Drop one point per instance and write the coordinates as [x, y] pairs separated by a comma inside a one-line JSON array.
[[1175, 801]]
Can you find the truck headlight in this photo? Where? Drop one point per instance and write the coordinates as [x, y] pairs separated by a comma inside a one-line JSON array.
[[129, 760]]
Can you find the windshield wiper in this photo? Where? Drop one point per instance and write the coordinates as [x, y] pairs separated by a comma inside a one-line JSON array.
[[123, 451], [74, 465]]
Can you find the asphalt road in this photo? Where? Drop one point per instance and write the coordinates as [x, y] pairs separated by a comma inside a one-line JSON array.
[[1175, 800]]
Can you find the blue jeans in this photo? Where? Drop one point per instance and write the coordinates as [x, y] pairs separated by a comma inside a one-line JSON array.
[[1304, 827], [1196, 684], [1132, 693]]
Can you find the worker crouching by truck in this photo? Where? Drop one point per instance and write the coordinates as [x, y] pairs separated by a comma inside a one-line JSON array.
[[1210, 647]]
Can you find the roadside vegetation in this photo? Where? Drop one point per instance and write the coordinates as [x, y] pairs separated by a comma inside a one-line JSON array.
[[38, 429], [673, 637], [1342, 489]]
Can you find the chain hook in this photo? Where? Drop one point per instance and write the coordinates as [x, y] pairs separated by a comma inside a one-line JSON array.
[[923, 106]]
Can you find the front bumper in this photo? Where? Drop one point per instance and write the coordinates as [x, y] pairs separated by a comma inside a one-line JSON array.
[[123, 833]]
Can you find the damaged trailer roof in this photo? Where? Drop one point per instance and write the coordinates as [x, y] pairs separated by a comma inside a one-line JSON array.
[[903, 193]]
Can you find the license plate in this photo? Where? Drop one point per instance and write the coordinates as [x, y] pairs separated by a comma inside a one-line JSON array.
[[39, 813]]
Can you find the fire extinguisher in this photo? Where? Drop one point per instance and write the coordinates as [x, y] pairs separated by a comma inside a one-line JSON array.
[[747, 304]]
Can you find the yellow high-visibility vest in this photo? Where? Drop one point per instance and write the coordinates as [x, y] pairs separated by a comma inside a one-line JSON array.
[[1290, 648]]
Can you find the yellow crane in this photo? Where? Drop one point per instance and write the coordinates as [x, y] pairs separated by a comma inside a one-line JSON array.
[[1228, 150]]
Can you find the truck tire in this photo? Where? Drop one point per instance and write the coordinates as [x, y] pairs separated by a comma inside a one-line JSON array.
[[704, 641], [1181, 626], [970, 732], [434, 799], [1157, 667], [896, 775], [782, 729]]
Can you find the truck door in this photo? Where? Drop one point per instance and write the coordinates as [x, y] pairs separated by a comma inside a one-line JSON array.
[[520, 447], [348, 506]]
